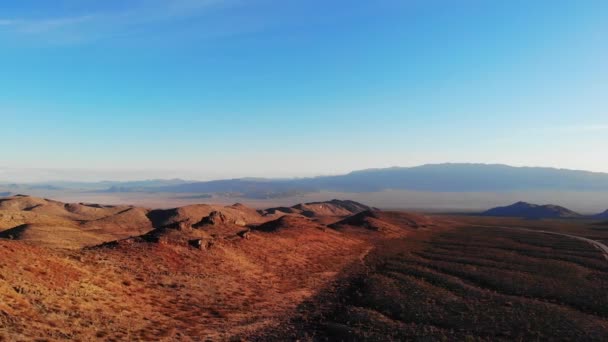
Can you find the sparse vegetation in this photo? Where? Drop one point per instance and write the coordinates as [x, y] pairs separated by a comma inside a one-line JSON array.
[[141, 290], [308, 273], [465, 284]]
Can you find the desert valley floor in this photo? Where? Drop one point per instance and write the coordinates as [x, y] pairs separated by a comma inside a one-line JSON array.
[[335, 270]]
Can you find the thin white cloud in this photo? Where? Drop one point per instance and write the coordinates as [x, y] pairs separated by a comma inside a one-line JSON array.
[[47, 25], [106, 24]]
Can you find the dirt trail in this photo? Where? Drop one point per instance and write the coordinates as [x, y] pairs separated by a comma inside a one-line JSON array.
[[602, 247]]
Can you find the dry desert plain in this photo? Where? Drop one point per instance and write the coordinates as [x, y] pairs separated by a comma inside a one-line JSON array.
[[335, 270]]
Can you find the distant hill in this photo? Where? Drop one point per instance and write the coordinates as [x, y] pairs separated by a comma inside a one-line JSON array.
[[437, 177], [334, 207], [387, 223], [528, 210], [601, 216]]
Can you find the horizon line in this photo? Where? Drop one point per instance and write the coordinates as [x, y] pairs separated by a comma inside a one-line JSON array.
[[186, 179]]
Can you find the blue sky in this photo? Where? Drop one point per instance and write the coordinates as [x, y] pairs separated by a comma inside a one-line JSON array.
[[207, 89]]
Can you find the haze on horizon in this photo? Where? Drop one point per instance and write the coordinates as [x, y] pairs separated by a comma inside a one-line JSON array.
[[61, 176], [201, 89]]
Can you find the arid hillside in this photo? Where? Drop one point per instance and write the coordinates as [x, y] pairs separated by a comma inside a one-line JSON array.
[[462, 284], [312, 272], [68, 225], [386, 223], [85, 272]]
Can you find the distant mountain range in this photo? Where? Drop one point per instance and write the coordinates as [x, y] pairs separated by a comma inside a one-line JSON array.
[[437, 178], [434, 178], [535, 211], [106, 186]]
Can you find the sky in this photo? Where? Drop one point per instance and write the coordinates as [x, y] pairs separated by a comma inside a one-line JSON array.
[[211, 89]]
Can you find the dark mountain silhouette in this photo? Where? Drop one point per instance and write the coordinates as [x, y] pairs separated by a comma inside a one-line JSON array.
[[601, 216], [528, 210]]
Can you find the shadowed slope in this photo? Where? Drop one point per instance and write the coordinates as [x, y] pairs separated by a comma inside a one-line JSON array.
[[129, 222], [288, 222], [54, 236], [386, 222], [12, 218]]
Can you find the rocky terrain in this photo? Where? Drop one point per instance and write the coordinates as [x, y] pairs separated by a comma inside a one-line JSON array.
[[313, 272], [85, 271], [464, 284], [75, 225]]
